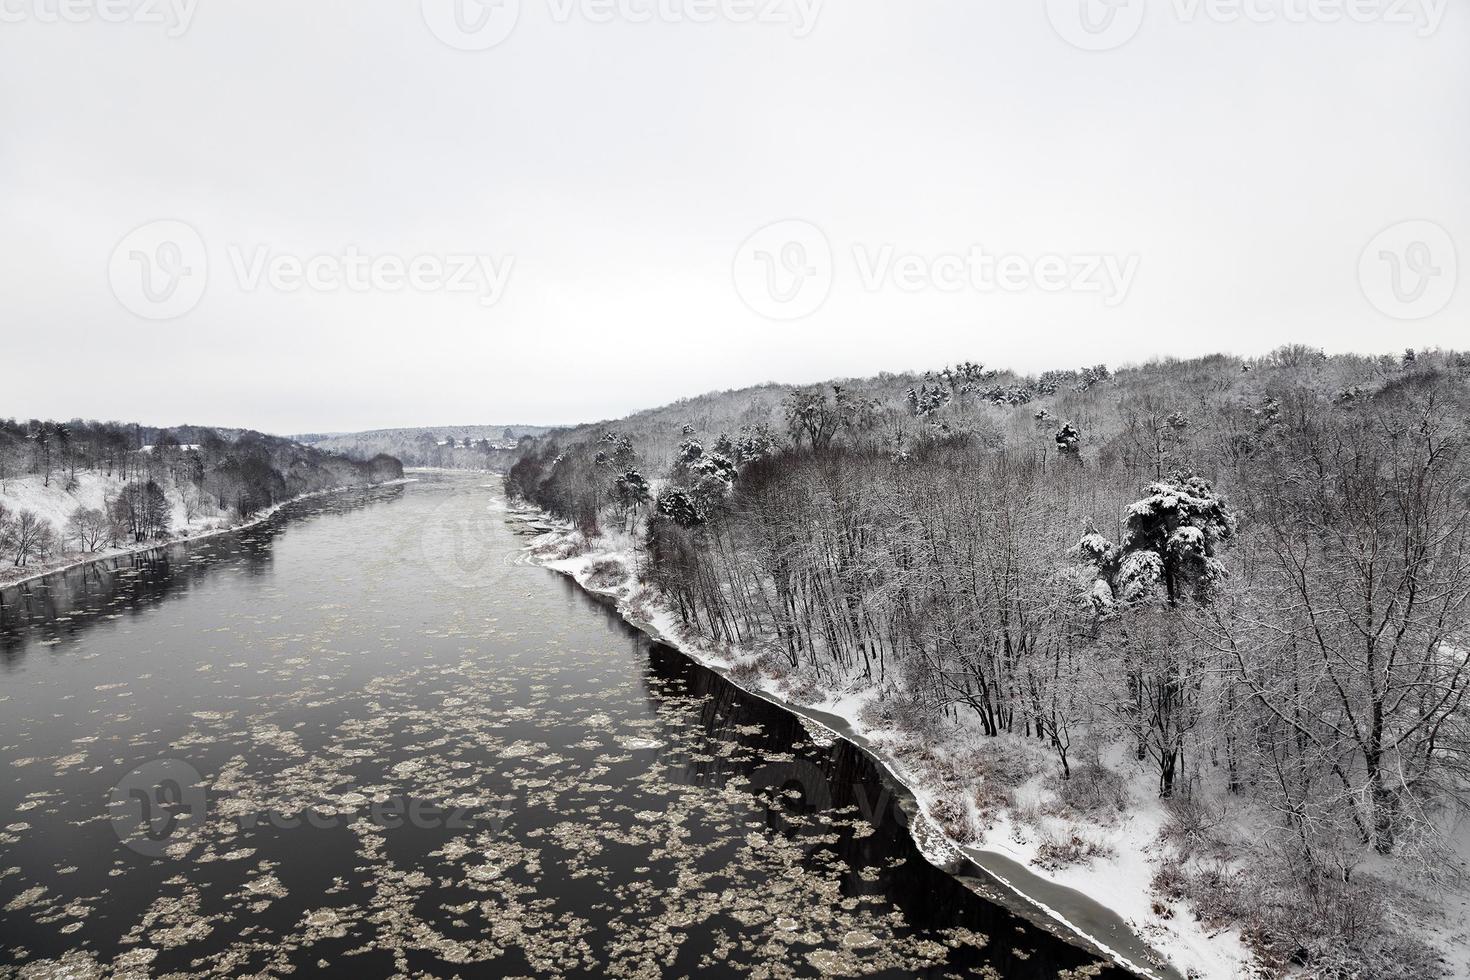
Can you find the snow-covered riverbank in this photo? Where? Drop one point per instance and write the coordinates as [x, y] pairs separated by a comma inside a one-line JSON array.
[[1106, 900], [55, 505]]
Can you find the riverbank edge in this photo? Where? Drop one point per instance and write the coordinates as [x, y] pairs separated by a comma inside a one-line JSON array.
[[69, 563], [1013, 885]]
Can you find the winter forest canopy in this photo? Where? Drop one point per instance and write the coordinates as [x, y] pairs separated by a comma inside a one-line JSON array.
[[148, 484], [1246, 582], [459, 447]]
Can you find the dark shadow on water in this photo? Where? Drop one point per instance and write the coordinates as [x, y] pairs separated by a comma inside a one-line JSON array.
[[836, 778], [70, 602], [837, 818]]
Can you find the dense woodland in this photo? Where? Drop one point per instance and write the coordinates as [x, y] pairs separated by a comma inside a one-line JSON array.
[[155, 475], [1249, 579], [460, 447]]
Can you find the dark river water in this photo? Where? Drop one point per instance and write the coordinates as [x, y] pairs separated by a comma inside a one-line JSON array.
[[365, 738]]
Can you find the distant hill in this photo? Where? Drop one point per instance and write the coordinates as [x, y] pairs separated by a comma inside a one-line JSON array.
[[658, 432], [467, 447]]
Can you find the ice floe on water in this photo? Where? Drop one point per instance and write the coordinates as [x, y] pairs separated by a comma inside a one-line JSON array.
[[442, 784]]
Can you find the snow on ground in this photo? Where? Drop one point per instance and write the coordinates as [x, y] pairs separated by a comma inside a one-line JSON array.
[[1454, 935], [97, 490], [1120, 880]]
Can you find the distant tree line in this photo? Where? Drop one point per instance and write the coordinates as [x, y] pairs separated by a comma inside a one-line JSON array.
[[484, 448], [231, 475]]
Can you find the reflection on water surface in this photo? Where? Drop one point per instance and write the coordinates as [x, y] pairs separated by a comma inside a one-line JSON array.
[[364, 739]]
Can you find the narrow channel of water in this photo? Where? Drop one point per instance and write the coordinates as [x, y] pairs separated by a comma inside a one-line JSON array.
[[362, 739]]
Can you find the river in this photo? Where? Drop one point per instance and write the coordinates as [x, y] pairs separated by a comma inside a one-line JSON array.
[[367, 738]]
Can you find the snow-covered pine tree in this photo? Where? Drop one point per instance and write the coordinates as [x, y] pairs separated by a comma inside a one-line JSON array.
[[679, 507], [1170, 539], [1069, 441]]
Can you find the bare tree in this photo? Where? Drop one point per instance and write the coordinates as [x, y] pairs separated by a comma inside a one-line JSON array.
[[27, 536], [1362, 592], [89, 527]]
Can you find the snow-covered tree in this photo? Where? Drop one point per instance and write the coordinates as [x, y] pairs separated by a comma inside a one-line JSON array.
[[755, 443], [631, 491], [1093, 376], [927, 399], [1171, 538], [713, 478], [690, 452], [812, 417], [1069, 441], [618, 450], [679, 507]]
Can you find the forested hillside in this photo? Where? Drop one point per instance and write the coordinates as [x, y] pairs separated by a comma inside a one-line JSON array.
[[455, 447], [1225, 601], [81, 488]]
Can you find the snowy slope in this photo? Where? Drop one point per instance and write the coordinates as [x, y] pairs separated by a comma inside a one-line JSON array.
[[1121, 880], [97, 490], [55, 504]]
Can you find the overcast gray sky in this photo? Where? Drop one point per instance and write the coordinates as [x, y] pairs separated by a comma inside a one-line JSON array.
[[582, 193]]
